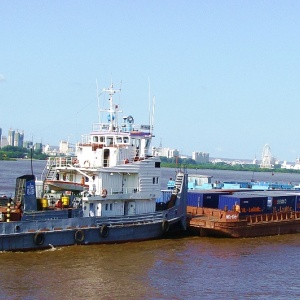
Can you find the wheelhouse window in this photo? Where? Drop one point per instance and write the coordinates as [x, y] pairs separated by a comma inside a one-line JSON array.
[[109, 141]]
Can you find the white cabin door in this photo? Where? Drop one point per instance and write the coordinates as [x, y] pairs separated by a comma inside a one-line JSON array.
[[130, 208]]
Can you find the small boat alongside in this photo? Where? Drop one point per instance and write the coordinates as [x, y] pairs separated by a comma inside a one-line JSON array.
[[105, 194]]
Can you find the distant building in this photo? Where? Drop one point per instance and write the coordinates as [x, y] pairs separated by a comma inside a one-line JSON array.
[[63, 147], [200, 157], [0, 137], [47, 149], [28, 144], [66, 148], [15, 138], [4, 141], [51, 150], [167, 152], [18, 139], [38, 146], [11, 137], [296, 166]]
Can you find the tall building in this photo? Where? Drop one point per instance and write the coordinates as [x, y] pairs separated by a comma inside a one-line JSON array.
[[18, 139], [64, 147], [200, 157], [11, 137], [0, 137]]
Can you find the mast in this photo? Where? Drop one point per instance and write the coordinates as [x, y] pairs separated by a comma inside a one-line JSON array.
[[113, 108]]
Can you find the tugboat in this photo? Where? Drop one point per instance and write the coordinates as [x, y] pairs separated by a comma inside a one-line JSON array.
[[106, 193]]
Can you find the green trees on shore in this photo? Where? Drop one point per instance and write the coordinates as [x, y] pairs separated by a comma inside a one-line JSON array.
[[192, 164], [12, 152]]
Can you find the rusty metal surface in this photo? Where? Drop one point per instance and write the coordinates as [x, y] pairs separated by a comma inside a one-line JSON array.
[[207, 222]]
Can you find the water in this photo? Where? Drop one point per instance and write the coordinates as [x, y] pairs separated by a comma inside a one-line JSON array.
[[183, 268]]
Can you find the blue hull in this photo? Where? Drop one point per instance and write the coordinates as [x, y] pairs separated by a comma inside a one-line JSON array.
[[41, 229], [43, 234]]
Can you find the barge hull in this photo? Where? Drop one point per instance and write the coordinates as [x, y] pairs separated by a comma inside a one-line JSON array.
[[218, 223]]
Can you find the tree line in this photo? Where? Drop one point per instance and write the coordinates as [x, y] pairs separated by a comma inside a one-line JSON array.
[[13, 152], [190, 163]]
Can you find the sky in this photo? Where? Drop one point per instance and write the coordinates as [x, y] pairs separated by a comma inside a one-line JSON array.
[[224, 74]]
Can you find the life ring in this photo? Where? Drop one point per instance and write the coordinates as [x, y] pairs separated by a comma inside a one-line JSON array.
[[104, 231], [79, 236], [39, 238], [104, 193], [165, 226], [87, 164]]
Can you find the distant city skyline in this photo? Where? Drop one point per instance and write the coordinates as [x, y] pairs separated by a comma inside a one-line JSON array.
[[199, 156]]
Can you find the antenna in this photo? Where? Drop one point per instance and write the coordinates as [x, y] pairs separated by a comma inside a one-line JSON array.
[[152, 116], [151, 113], [98, 99], [149, 102]]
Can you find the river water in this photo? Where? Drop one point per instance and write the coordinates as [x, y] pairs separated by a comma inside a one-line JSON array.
[[178, 268]]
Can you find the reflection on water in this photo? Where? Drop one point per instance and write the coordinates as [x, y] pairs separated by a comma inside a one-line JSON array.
[[186, 268]]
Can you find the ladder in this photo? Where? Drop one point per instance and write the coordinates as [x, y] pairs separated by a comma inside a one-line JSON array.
[[179, 182], [51, 174]]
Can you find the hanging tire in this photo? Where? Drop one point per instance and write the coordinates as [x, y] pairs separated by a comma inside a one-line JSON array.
[[39, 238], [79, 236], [104, 231], [165, 226]]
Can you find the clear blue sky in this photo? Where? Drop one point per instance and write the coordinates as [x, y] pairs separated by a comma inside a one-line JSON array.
[[225, 74]]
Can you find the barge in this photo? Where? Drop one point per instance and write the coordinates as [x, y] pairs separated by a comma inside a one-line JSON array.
[[243, 214], [219, 223]]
